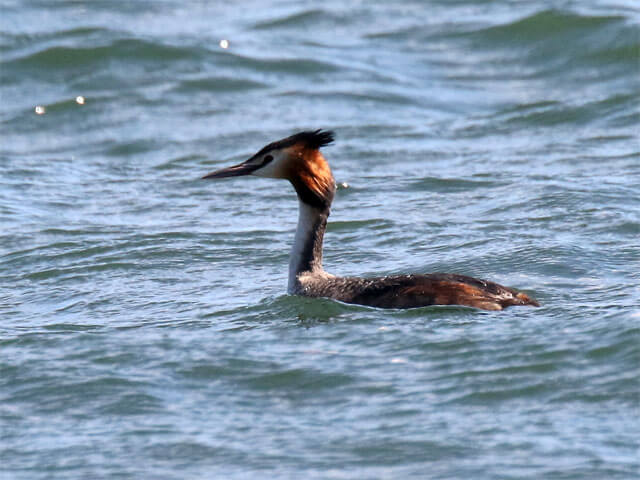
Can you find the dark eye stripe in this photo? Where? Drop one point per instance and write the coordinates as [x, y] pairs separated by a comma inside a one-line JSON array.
[[267, 159]]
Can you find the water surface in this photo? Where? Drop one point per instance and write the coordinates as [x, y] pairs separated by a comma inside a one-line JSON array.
[[145, 331]]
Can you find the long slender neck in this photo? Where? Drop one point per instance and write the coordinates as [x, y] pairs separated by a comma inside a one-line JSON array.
[[306, 253]]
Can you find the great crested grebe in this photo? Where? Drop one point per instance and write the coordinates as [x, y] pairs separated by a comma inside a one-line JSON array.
[[298, 159]]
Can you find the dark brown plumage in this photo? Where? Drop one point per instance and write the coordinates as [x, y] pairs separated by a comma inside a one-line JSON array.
[[409, 291]]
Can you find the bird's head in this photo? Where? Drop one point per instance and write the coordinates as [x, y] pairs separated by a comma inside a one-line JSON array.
[[296, 158]]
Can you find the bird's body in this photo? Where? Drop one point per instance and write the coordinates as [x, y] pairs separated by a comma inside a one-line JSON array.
[[298, 159], [409, 291]]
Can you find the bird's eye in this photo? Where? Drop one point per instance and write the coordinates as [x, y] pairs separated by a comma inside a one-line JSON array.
[[267, 159]]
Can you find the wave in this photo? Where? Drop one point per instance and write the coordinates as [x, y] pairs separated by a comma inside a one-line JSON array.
[[563, 41], [293, 20], [280, 64], [614, 110], [544, 26], [61, 57], [218, 84], [558, 40]]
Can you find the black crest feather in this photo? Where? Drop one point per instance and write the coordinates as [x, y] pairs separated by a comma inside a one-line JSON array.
[[314, 138], [310, 138]]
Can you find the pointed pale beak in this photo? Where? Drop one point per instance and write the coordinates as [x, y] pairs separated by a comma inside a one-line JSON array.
[[243, 168]]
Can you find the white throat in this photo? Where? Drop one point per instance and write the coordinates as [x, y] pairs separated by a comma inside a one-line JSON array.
[[306, 252]]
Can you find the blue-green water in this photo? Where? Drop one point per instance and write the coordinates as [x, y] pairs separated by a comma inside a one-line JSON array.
[[144, 327]]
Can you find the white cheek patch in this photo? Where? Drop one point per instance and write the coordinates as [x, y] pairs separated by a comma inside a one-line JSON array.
[[274, 169], [268, 171]]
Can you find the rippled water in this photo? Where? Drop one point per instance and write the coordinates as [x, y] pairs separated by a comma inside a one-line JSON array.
[[145, 331]]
